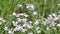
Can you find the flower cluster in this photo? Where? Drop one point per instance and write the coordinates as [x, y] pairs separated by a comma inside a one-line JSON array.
[[50, 22], [22, 22], [2, 21]]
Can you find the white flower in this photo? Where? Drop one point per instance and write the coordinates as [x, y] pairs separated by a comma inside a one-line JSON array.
[[38, 31], [17, 28], [14, 23], [30, 33], [37, 22], [21, 14], [52, 16], [56, 18], [49, 18], [58, 24], [59, 4], [44, 23], [0, 23], [37, 28], [4, 20], [18, 15], [23, 30], [24, 25], [1, 18], [19, 5], [14, 14], [19, 20], [24, 20], [6, 28], [30, 6], [10, 31], [30, 21], [34, 13], [26, 15], [29, 26], [52, 23]]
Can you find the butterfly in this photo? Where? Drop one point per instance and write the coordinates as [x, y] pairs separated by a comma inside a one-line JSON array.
[[19, 10]]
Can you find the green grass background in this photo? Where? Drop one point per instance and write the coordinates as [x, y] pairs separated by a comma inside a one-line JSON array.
[[7, 7]]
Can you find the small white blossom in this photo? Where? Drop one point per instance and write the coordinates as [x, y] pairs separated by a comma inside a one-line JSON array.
[[4, 20], [10, 31], [30, 6], [30, 21], [0, 23], [19, 5], [53, 14], [53, 17], [59, 4], [24, 20], [34, 13], [1, 18], [37, 22], [50, 22], [17, 28], [21, 14], [49, 18], [6, 28], [29, 26], [56, 18], [24, 25], [23, 30], [18, 15], [38, 31], [37, 28], [14, 14], [26, 15], [44, 23], [14, 23], [58, 24], [19, 20]]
